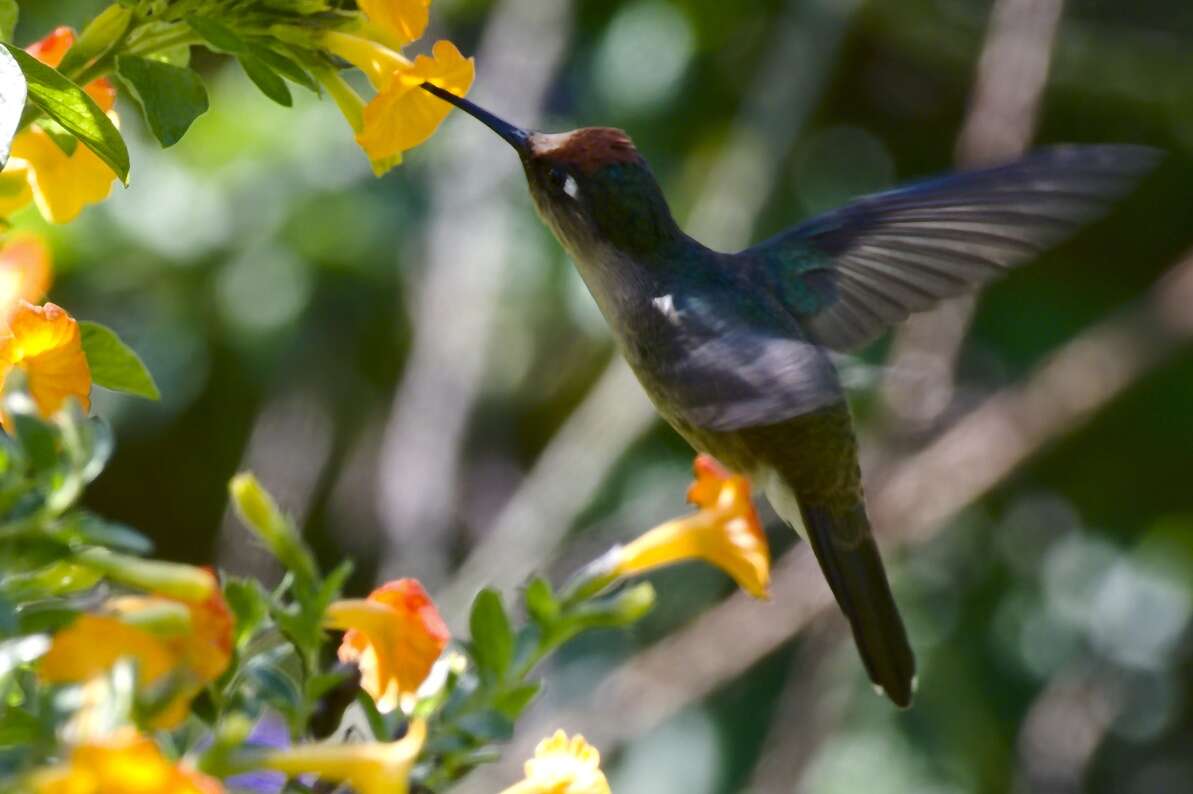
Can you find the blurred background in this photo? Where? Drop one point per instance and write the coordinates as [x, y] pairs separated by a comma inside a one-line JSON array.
[[412, 365]]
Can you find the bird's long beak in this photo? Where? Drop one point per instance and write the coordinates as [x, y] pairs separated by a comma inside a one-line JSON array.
[[514, 136]]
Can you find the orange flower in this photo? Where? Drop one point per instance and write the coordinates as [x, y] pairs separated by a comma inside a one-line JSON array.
[[725, 532], [369, 768], [126, 763], [563, 766], [25, 271], [196, 649], [44, 341], [395, 636], [60, 184]]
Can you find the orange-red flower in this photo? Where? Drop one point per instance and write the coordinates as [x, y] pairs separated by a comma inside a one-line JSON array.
[[194, 650], [394, 636], [44, 341], [562, 766], [725, 532], [125, 763], [25, 271], [60, 184]]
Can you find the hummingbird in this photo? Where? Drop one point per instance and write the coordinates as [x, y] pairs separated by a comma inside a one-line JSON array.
[[733, 349]]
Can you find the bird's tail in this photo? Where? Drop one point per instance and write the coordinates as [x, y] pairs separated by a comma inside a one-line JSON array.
[[845, 549]]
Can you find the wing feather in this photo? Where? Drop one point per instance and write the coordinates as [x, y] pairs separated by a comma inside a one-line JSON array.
[[871, 263]]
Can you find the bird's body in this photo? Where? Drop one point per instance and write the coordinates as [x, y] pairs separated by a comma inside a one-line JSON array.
[[733, 349]]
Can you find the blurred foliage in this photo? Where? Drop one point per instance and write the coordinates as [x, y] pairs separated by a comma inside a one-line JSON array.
[[267, 278]]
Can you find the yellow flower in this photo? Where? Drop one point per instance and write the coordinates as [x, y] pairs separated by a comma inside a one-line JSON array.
[[403, 115], [196, 650], [394, 636], [401, 21], [44, 341], [60, 184], [725, 532], [369, 768], [25, 271], [562, 766], [125, 763]]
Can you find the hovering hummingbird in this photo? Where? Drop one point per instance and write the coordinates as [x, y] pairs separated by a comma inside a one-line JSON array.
[[733, 349]]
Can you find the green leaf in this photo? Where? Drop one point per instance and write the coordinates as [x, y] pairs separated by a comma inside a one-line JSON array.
[[171, 97], [283, 66], [541, 602], [69, 105], [266, 79], [249, 604], [513, 702], [270, 685], [97, 531], [9, 12], [97, 38], [492, 637], [12, 100], [217, 35], [113, 364]]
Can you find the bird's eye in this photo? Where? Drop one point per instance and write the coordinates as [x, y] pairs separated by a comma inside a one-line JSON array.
[[564, 182]]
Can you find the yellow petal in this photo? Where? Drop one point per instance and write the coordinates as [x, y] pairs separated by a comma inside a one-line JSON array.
[[369, 768], [403, 21], [563, 766], [403, 115], [126, 763], [724, 532], [93, 643], [45, 342], [15, 193], [62, 184]]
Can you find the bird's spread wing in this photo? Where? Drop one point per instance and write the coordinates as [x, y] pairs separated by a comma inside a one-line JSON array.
[[854, 272], [720, 372]]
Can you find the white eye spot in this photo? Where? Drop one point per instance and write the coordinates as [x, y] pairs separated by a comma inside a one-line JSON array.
[[570, 187]]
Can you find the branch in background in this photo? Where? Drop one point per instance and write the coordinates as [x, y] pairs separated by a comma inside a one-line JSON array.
[[1012, 73], [529, 531], [456, 304], [909, 504]]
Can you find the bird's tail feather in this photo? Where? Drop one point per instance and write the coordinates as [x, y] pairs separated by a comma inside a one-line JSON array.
[[848, 556]]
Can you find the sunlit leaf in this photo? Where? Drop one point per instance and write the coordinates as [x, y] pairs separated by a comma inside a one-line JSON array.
[[113, 364], [69, 105]]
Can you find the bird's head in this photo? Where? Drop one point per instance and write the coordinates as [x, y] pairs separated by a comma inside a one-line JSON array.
[[590, 185]]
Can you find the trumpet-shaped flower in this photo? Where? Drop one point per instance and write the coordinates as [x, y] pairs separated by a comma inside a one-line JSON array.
[[369, 768], [44, 341], [562, 766], [60, 183], [401, 115], [125, 763], [394, 636], [189, 654], [725, 531]]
